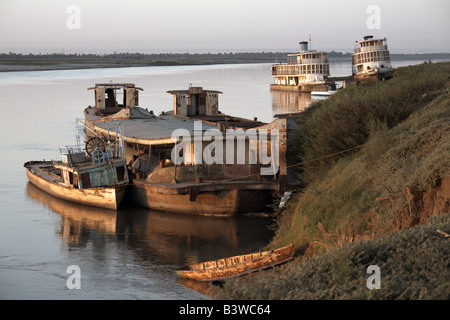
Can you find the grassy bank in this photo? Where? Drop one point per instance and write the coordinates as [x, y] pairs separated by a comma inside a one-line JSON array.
[[402, 130]]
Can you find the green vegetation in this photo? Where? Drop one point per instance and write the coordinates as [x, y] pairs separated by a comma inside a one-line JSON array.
[[402, 128]]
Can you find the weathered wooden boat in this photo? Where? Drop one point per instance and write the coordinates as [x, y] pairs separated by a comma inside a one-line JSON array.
[[97, 176], [220, 269]]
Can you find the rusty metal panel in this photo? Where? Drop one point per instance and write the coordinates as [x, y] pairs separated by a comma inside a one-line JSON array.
[[195, 90], [130, 97], [100, 98]]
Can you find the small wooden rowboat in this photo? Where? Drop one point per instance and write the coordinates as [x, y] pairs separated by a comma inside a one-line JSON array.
[[221, 269]]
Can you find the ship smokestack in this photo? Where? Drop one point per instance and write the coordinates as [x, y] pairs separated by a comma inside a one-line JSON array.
[[303, 46]]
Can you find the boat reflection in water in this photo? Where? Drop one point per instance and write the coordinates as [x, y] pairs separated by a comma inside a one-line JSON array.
[[77, 220], [291, 102], [158, 238], [284, 102]]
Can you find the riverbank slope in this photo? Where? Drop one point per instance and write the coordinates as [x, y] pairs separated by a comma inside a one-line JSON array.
[[371, 206]]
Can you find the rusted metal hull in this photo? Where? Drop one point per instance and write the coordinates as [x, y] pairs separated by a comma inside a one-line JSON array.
[[204, 199], [295, 88], [374, 76], [303, 88], [238, 265], [103, 197]]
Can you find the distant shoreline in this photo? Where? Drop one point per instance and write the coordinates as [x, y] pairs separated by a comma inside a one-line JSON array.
[[18, 62]]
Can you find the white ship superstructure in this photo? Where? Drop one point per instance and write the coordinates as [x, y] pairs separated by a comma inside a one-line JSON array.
[[371, 59], [305, 71]]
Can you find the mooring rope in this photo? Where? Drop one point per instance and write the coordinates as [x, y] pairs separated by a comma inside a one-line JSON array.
[[300, 163]]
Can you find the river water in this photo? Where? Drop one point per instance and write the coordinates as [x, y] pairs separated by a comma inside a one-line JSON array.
[[131, 254]]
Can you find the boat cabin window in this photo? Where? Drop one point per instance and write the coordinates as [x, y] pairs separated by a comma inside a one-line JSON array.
[[114, 96], [110, 99]]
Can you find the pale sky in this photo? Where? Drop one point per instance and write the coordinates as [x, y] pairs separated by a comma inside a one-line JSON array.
[[154, 26]]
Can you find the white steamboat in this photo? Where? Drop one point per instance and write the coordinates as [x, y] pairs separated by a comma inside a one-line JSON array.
[[305, 71], [371, 59]]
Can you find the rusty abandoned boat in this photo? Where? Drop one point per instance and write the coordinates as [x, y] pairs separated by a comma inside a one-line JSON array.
[[221, 269], [96, 176], [167, 175]]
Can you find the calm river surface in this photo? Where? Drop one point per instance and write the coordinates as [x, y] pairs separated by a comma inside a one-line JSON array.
[[131, 254]]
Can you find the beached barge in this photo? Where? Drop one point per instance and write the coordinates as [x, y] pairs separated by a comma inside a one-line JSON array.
[[221, 269], [305, 71], [168, 173], [371, 60], [96, 177]]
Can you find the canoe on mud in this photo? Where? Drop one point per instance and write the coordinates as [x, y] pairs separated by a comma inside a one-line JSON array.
[[224, 268]]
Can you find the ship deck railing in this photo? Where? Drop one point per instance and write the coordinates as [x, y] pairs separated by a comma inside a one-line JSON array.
[[371, 48], [299, 70], [291, 62], [65, 150], [72, 154]]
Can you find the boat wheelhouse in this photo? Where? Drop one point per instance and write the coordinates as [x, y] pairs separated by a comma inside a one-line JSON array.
[[305, 71], [371, 59]]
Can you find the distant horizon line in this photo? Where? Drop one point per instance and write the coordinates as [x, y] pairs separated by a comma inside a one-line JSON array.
[[197, 53]]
